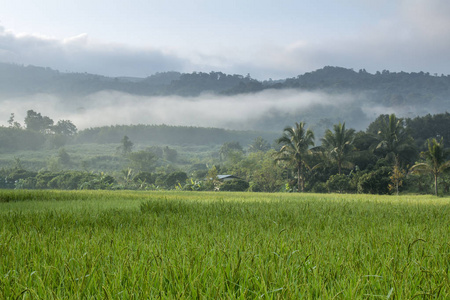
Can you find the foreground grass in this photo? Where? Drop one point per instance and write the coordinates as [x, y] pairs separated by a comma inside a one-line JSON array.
[[137, 245]]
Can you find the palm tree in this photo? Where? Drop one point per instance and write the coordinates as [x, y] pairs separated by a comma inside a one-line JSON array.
[[296, 142], [435, 160], [394, 140], [339, 144], [259, 144]]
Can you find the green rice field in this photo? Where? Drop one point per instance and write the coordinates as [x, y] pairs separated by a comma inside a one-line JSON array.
[[189, 245]]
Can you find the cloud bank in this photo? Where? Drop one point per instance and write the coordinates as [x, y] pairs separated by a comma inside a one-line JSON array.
[[233, 112], [80, 54]]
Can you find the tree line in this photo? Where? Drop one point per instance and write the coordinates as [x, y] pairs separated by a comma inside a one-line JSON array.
[[392, 147], [392, 155], [39, 131]]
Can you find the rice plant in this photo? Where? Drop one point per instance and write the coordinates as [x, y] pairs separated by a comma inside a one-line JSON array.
[[184, 245]]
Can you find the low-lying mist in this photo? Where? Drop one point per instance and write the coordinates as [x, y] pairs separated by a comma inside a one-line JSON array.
[[269, 110]]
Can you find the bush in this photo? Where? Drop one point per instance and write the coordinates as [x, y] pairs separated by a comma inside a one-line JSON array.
[[28, 183], [235, 185], [339, 184], [144, 177], [99, 182], [10, 177], [17, 174], [375, 182], [43, 178], [194, 186], [419, 183], [70, 180], [173, 179], [320, 187]]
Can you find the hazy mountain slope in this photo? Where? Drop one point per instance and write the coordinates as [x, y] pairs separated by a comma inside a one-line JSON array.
[[395, 88], [321, 98]]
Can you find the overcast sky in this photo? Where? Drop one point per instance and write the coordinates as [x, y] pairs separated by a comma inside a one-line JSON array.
[[268, 39]]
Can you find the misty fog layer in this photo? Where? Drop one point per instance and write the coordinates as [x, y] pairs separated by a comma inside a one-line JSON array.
[[269, 110], [245, 111]]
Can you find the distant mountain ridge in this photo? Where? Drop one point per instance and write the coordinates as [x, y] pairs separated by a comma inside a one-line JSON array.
[[388, 88], [342, 95], [16, 80]]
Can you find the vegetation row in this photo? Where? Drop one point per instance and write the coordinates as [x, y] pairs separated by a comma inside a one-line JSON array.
[[393, 155]]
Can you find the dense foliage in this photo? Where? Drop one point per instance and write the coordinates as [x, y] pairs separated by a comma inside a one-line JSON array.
[[386, 158]]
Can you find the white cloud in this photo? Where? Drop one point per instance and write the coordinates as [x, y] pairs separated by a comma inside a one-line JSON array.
[[80, 54], [80, 40], [236, 112]]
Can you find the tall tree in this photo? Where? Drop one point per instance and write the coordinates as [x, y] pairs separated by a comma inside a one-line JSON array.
[[259, 144], [36, 122], [295, 150], [65, 127], [170, 154], [435, 161], [394, 141], [339, 144], [12, 123], [143, 161], [229, 148], [126, 145]]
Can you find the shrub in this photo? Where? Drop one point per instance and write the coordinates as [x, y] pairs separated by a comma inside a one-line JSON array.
[[375, 182], [142, 177], [173, 179], [99, 182], [320, 187], [17, 174], [10, 177], [235, 185], [27, 183], [339, 183], [70, 180]]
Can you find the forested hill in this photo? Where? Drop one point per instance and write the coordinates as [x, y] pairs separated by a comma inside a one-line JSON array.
[[18, 80], [386, 88]]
